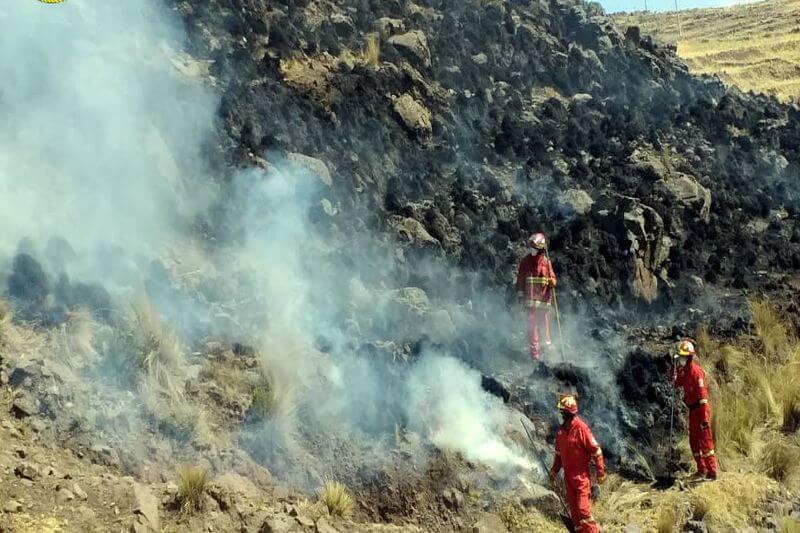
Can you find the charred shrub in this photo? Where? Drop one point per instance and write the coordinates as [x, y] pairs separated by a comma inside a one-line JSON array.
[[28, 286]]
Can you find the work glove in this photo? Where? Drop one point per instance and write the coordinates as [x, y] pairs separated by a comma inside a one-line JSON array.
[[551, 282], [601, 478], [595, 492]]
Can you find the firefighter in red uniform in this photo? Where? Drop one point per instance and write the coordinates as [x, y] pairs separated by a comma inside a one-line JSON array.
[[695, 395], [575, 449], [535, 283]]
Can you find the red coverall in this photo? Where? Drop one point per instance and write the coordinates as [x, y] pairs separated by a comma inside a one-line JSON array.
[[695, 395], [535, 279], [575, 448]]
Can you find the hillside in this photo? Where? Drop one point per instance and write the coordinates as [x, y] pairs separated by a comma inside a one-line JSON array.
[[754, 46], [254, 249]]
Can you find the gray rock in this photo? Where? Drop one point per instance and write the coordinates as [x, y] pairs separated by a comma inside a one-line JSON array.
[[490, 523], [25, 374], [323, 526], [305, 521], [64, 496], [25, 406], [686, 191], [146, 507], [386, 26], [541, 498], [315, 166], [480, 59], [580, 200], [414, 298], [79, 492], [411, 230], [415, 44], [38, 425], [103, 455], [27, 471], [649, 249], [279, 524], [453, 499], [414, 115], [12, 506]]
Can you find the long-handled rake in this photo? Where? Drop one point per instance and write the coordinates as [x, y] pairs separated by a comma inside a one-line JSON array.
[[555, 306]]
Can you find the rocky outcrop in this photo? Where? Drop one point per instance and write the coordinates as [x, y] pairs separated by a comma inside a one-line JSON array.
[[649, 249]]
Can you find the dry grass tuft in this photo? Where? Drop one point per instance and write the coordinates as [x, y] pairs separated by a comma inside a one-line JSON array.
[[699, 506], [728, 359], [520, 520], [336, 498], [192, 481], [231, 380], [264, 402], [270, 398], [80, 332], [790, 407], [789, 525], [667, 520], [371, 54], [779, 459], [155, 351], [6, 315], [734, 422], [770, 329]]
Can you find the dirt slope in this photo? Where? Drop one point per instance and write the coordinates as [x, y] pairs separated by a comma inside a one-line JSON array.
[[754, 46]]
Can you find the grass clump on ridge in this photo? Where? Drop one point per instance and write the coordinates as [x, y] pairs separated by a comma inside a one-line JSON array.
[[371, 54], [780, 459], [336, 498], [770, 329], [192, 481]]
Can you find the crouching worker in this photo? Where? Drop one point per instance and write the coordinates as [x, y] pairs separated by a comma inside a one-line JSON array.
[[691, 377], [576, 447]]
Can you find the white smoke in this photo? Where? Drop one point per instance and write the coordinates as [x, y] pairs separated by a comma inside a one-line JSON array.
[[101, 145], [100, 138], [446, 401]]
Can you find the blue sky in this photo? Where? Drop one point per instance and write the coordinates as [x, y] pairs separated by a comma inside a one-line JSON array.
[[612, 6]]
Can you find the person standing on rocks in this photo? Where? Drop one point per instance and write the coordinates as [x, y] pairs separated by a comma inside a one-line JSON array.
[[576, 448], [536, 280], [691, 377]]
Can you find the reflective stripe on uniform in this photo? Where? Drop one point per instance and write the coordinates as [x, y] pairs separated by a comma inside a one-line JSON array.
[[703, 401], [697, 454], [536, 281], [712, 453], [588, 520], [598, 453]]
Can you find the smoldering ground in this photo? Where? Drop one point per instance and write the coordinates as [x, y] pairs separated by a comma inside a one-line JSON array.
[[107, 202], [104, 188]]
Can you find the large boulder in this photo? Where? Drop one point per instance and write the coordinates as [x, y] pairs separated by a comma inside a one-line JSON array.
[[686, 191], [315, 166], [649, 249], [146, 518], [414, 115], [414, 44]]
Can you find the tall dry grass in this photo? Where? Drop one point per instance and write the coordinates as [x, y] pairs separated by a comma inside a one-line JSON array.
[[336, 498], [192, 482], [371, 54]]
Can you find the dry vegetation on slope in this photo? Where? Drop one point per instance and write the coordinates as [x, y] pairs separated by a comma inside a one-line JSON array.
[[755, 46]]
